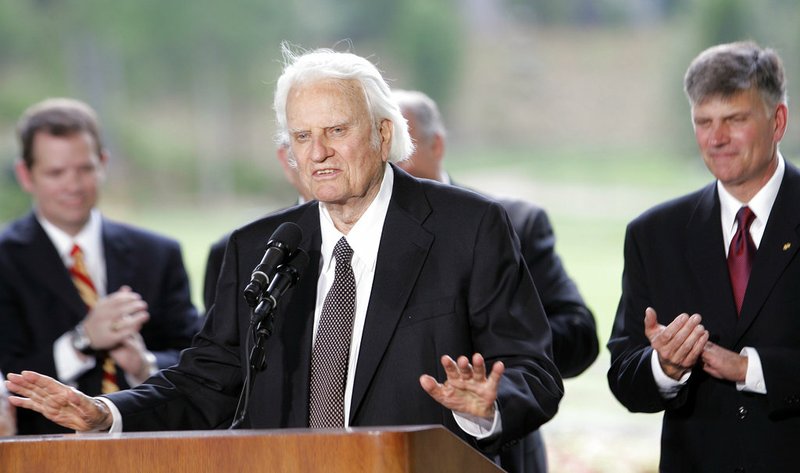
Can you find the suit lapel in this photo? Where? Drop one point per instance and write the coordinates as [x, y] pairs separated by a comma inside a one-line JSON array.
[[403, 249], [120, 256], [46, 266], [707, 259], [778, 247]]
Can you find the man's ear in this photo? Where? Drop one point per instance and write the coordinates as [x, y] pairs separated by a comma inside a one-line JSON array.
[[103, 164], [438, 147], [781, 122], [386, 131], [24, 176]]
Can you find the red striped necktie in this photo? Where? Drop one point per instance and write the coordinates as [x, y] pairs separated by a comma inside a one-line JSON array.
[[85, 286]]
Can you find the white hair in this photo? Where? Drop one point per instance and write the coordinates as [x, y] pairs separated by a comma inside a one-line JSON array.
[[322, 64]]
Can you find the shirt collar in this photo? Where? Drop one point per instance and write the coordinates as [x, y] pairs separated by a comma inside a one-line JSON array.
[[760, 204], [364, 237], [89, 238]]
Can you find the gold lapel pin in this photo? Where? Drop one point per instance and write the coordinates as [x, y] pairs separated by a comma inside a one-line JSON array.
[[787, 245]]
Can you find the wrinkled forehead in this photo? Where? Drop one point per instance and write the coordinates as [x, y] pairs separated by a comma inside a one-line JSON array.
[[342, 93]]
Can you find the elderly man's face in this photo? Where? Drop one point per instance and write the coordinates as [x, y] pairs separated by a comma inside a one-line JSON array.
[[331, 139]]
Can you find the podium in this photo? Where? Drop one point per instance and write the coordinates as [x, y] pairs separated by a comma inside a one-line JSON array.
[[385, 450]]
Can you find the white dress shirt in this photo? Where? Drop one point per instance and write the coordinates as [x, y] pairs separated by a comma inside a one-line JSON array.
[[364, 238]]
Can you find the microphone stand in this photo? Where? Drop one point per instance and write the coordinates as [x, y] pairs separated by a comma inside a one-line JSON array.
[[261, 327], [262, 323]]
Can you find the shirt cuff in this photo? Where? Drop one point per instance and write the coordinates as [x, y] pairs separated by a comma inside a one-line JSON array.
[[116, 416], [479, 427], [152, 368], [754, 378], [667, 386], [69, 364]]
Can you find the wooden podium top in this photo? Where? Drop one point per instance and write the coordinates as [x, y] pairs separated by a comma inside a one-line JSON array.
[[379, 449]]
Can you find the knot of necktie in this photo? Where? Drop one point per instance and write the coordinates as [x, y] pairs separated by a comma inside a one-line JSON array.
[[342, 252]]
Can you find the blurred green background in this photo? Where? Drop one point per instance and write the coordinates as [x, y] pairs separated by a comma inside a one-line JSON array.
[[574, 104]]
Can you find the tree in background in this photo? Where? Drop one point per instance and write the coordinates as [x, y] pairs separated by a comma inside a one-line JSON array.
[[185, 87]]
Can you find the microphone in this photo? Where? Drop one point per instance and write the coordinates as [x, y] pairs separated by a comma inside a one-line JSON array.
[[286, 276], [282, 242]]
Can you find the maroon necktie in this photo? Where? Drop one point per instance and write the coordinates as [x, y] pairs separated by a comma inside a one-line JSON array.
[[740, 255]]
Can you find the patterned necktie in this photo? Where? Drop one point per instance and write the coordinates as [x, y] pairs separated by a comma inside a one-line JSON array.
[[83, 282], [740, 255], [331, 353]]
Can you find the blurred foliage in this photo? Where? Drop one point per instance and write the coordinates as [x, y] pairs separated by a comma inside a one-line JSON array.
[[184, 89], [724, 21], [596, 12], [427, 39]]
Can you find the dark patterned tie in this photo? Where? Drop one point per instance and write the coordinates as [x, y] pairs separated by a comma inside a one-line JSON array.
[[740, 255], [331, 353], [85, 286]]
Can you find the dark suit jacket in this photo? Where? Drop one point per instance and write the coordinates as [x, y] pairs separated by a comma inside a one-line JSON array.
[[449, 280], [39, 303], [213, 266], [575, 345], [675, 262]]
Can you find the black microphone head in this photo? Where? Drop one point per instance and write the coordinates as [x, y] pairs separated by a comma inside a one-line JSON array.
[[281, 245], [299, 260], [288, 234]]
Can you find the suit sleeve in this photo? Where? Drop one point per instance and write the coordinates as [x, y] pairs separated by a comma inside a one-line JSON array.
[[782, 376], [173, 318], [575, 345], [201, 391], [508, 324], [630, 376], [213, 266]]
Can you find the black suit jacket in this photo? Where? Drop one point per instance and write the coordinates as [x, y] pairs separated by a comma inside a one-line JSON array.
[[575, 344], [39, 302], [213, 266], [449, 280], [675, 262]]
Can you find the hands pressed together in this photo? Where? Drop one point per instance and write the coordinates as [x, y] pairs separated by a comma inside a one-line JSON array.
[[685, 341], [114, 323]]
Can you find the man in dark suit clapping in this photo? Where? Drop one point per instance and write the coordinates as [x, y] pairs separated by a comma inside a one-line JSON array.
[[97, 304], [708, 325]]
